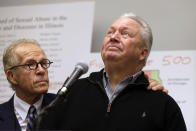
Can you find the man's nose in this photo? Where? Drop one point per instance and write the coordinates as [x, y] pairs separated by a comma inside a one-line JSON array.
[[115, 35], [40, 69]]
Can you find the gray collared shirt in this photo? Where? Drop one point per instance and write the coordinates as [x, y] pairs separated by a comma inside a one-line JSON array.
[[112, 94]]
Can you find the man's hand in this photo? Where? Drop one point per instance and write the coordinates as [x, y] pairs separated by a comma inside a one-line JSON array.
[[154, 85]]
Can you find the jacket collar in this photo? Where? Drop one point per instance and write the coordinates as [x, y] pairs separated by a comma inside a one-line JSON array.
[[8, 116], [97, 77]]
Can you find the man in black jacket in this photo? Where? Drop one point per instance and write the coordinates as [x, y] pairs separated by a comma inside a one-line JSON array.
[[116, 99]]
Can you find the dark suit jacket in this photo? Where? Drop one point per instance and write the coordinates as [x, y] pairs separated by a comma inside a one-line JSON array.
[[8, 120]]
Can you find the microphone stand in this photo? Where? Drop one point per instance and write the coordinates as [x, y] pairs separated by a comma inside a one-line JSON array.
[[46, 118], [48, 115]]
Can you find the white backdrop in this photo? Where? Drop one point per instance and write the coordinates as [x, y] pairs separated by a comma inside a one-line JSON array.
[[65, 32]]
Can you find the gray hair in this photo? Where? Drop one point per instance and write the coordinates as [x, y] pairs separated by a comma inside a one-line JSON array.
[[146, 32], [9, 58]]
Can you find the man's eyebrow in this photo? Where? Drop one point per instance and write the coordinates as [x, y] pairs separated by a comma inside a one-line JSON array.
[[30, 60], [111, 28], [124, 28], [33, 60]]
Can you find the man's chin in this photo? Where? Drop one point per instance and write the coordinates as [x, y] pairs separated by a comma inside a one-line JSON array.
[[42, 89], [112, 57]]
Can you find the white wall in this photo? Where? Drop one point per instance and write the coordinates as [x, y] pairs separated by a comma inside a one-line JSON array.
[[172, 21]]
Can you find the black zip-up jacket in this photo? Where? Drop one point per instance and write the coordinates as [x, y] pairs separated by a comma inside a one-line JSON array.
[[135, 109]]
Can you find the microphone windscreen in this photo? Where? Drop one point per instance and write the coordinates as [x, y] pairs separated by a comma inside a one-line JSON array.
[[82, 66]]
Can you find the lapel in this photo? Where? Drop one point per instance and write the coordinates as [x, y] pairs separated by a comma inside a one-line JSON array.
[[8, 120]]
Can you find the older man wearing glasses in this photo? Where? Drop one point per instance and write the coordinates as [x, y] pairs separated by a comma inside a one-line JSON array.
[[25, 65]]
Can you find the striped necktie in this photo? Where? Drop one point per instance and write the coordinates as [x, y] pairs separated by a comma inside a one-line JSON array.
[[32, 113]]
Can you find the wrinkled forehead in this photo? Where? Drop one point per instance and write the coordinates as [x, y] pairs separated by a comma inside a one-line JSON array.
[[126, 22], [29, 51]]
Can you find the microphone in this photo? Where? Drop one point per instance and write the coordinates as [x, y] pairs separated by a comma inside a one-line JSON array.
[[80, 69], [49, 112]]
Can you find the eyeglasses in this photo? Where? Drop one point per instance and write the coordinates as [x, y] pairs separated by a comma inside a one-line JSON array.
[[34, 65]]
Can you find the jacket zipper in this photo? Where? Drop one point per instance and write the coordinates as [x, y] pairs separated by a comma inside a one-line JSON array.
[[109, 107], [110, 103]]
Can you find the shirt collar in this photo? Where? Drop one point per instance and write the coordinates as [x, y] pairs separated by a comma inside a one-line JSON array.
[[131, 79], [22, 107]]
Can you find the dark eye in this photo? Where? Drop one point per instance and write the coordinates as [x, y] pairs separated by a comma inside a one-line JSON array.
[[32, 65], [125, 34], [45, 63], [110, 32]]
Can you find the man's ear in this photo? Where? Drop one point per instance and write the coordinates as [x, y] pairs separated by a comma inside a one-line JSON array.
[[144, 53], [11, 77]]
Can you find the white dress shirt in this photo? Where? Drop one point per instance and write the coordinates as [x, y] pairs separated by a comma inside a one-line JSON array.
[[21, 109]]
